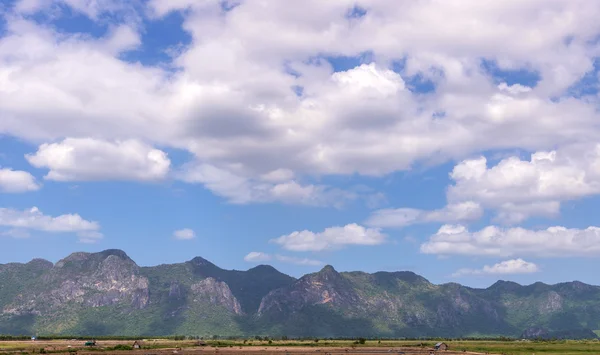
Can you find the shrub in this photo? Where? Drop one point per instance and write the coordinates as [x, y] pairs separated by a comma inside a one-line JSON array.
[[122, 347]]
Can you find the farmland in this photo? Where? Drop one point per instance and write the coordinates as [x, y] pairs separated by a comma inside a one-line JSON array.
[[295, 347]]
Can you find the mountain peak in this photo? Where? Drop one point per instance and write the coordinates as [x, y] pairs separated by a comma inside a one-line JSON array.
[[76, 256], [89, 261], [327, 269], [43, 263], [263, 268], [114, 252], [538, 286], [326, 274], [200, 261], [504, 285]]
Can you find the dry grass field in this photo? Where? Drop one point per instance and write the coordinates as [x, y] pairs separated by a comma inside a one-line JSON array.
[[334, 347]]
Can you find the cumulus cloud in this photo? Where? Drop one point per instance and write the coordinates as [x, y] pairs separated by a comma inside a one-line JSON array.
[[271, 188], [508, 267], [518, 189], [257, 257], [34, 219], [506, 242], [514, 213], [77, 159], [184, 234], [331, 238], [257, 103], [13, 181], [92, 9], [401, 217], [514, 188], [231, 103], [278, 175], [121, 39], [28, 6]]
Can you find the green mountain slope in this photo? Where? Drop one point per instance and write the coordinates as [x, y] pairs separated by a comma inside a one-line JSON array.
[[381, 304], [107, 293]]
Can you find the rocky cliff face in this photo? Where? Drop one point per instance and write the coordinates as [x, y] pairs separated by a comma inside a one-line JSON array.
[[394, 304], [82, 279], [217, 293], [326, 287], [108, 293]]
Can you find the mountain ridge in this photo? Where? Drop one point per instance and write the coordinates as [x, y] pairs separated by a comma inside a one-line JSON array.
[[270, 266], [107, 293]]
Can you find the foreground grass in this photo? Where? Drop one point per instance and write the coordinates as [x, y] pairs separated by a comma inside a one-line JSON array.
[[481, 346], [570, 347], [528, 348]]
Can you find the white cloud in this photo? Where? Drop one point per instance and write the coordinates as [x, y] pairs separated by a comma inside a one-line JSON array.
[[241, 190], [230, 102], [518, 189], [331, 238], [508, 267], [514, 89], [121, 39], [279, 175], [28, 6], [91, 159], [184, 234], [71, 99], [14, 181], [401, 217], [162, 7], [90, 8], [257, 257], [511, 213], [298, 261], [33, 218], [231, 105], [506, 242]]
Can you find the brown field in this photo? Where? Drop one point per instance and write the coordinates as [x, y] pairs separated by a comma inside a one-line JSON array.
[[284, 351], [171, 347], [294, 347]]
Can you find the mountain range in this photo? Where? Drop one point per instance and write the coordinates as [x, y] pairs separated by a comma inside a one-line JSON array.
[[107, 293]]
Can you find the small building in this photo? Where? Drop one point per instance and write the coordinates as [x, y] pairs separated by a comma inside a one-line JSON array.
[[441, 346], [137, 344], [33, 338]]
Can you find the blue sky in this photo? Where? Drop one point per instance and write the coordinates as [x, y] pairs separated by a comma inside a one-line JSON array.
[[464, 147]]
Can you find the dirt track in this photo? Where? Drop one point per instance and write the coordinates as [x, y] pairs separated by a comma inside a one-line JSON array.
[[67, 347], [255, 350]]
